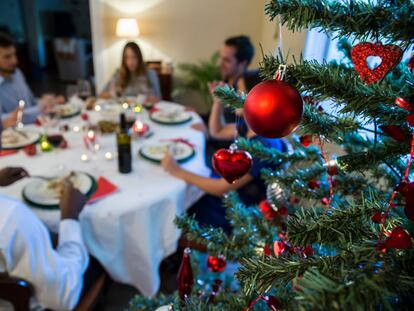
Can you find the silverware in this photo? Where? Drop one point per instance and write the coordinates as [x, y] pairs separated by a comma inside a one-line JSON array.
[[42, 177], [19, 117]]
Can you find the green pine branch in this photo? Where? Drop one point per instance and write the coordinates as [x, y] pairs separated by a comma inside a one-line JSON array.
[[364, 20]]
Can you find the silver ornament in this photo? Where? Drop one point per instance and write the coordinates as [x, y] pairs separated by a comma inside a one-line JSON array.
[[276, 196]]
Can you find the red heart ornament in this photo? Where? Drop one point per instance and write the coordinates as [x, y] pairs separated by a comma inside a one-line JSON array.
[[232, 165], [390, 56], [399, 239]]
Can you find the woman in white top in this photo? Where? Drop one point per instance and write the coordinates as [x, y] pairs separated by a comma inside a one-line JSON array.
[[133, 77]]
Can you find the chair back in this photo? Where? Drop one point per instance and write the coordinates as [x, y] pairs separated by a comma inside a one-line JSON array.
[[15, 291]]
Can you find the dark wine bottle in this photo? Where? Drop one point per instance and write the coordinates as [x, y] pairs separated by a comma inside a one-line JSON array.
[[123, 141]]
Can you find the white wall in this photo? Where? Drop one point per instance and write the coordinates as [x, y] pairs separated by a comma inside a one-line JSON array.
[[181, 30]]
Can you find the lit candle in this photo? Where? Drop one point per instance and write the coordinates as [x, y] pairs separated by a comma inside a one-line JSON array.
[[109, 156], [91, 136], [76, 129], [98, 108], [140, 128], [84, 158], [96, 147], [125, 105], [137, 108]]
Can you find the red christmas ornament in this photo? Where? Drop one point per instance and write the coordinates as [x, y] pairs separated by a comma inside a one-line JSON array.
[[381, 247], [279, 248], [395, 132], [314, 184], [410, 119], [390, 57], [411, 63], [216, 264], [232, 164], [377, 217], [332, 169], [84, 116], [185, 279], [273, 303], [409, 211], [273, 109], [306, 140], [404, 104], [30, 150], [399, 239], [267, 210], [266, 250], [308, 251], [283, 211]]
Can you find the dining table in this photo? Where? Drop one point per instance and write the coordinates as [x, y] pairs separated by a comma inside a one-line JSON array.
[[131, 230]]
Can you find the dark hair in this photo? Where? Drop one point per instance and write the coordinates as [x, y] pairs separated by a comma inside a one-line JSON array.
[[244, 48], [5, 41], [124, 74]]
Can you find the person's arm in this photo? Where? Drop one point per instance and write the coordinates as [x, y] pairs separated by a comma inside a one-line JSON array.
[[57, 275], [155, 83], [110, 87], [217, 127], [216, 187]]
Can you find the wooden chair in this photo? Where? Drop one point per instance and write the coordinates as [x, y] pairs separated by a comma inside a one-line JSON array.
[[18, 292]]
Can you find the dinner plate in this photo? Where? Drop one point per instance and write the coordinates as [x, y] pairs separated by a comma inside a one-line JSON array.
[[17, 139], [39, 193], [155, 151], [171, 117], [68, 111]]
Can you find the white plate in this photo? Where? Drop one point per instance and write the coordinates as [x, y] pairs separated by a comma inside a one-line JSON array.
[[36, 190], [67, 110], [156, 151], [175, 116], [11, 139]]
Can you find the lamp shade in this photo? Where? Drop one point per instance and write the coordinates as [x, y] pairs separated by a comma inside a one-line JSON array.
[[127, 27]]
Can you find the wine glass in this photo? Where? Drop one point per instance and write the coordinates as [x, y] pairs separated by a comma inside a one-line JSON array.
[[84, 89]]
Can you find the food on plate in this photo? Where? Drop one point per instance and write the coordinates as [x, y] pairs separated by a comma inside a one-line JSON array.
[[90, 103], [55, 185], [12, 137], [107, 127], [174, 149]]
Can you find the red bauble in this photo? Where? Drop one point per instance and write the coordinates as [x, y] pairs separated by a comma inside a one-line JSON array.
[[404, 104], [232, 165], [273, 109], [390, 57], [279, 248], [273, 303], [399, 239], [30, 150], [306, 140], [332, 169], [216, 264], [283, 211], [395, 132], [267, 210], [314, 184], [84, 116], [411, 63], [185, 279], [377, 217], [266, 250]]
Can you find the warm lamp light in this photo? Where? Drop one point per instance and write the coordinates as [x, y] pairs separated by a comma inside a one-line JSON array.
[[127, 27]]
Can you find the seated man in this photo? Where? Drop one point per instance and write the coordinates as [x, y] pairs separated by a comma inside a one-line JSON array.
[[26, 250], [13, 88]]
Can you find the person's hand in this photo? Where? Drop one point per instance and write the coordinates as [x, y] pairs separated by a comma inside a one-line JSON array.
[[60, 99], [72, 201], [199, 127], [10, 175], [11, 119], [47, 103], [105, 95], [213, 85], [170, 165]]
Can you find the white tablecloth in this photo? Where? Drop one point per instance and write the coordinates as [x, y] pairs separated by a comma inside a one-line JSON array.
[[131, 231]]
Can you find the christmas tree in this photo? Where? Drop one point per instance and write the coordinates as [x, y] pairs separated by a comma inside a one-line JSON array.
[[334, 232]]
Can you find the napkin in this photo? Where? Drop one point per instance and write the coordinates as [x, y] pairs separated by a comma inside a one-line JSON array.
[[104, 188], [7, 152]]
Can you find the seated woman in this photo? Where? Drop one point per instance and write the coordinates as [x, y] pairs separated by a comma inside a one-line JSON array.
[[209, 210], [133, 78]]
